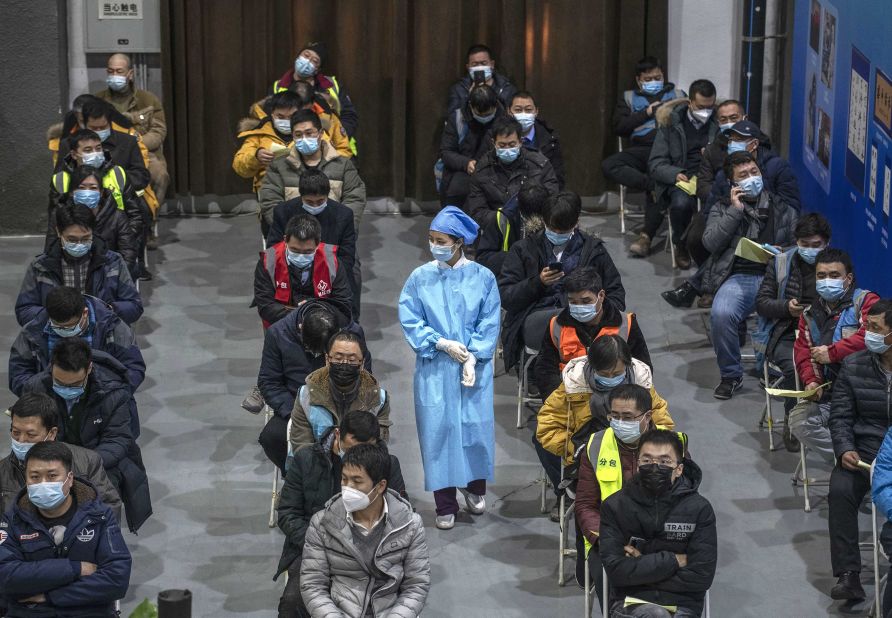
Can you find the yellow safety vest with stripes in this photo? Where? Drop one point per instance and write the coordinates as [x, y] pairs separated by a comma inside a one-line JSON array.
[[334, 93], [114, 180], [608, 469]]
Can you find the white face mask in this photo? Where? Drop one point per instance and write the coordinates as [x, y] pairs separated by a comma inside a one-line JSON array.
[[354, 500]]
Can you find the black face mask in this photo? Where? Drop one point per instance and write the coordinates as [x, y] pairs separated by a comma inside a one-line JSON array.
[[656, 479], [343, 375]]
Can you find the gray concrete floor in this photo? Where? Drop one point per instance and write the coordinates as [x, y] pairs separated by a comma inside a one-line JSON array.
[[211, 484]]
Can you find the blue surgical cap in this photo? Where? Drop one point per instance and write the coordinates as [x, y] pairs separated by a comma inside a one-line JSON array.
[[453, 221]]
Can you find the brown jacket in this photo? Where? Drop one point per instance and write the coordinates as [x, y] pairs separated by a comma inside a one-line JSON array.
[[316, 394], [145, 111]]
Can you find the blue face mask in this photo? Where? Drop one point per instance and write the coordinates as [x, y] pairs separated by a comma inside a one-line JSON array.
[[282, 126], [808, 254], [483, 119], [304, 66], [508, 155], [93, 159], [526, 120], [313, 210], [71, 331], [876, 343], [86, 197], [307, 145], [487, 72], [583, 313], [608, 383], [20, 449], [736, 146], [830, 289], [104, 134], [726, 126], [751, 186], [47, 496], [652, 87], [442, 253], [300, 260], [557, 239], [626, 431], [69, 393], [77, 249], [117, 83]]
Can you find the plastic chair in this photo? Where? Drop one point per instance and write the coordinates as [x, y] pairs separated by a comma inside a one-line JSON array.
[[605, 609]]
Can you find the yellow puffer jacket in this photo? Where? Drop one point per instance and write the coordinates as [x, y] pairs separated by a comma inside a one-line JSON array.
[[332, 129], [254, 134], [571, 399]]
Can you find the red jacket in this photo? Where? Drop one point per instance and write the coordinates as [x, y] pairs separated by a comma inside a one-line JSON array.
[[811, 372]]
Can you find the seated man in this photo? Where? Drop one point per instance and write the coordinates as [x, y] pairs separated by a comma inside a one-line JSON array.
[[728, 113], [672, 563], [313, 478], [881, 490], [70, 314], [122, 148], [583, 395], [761, 217], [684, 128], [634, 120], [536, 134], [293, 348], [335, 219], [587, 316], [282, 178], [298, 269], [518, 219], [145, 112], [464, 141], [630, 417], [481, 70], [830, 329], [335, 389], [787, 289], [96, 411], [530, 280], [859, 420], [256, 136], [365, 552], [81, 261], [307, 68], [34, 419], [87, 151], [63, 552], [504, 170]]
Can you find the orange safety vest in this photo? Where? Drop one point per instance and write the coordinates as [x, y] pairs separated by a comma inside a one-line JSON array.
[[568, 344]]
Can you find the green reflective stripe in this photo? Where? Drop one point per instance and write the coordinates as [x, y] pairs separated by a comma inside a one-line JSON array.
[[277, 88], [504, 228], [60, 182]]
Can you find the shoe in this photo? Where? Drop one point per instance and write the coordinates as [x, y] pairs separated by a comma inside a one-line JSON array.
[[682, 296], [145, 275], [253, 403], [474, 503], [682, 258], [555, 513], [152, 243], [641, 247], [848, 587], [705, 301], [790, 441], [446, 522], [726, 388]]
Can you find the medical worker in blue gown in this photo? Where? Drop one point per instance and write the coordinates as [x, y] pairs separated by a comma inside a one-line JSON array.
[[449, 310]]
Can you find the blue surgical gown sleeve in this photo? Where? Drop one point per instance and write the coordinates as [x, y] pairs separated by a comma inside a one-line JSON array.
[[421, 337], [485, 335]]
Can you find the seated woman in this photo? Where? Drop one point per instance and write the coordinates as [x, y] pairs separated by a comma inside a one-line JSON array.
[[82, 261], [112, 224], [582, 399]]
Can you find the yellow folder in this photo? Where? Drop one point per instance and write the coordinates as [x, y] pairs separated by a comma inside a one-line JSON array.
[[779, 392], [689, 187]]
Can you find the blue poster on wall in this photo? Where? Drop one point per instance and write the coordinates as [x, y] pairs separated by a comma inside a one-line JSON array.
[[841, 126]]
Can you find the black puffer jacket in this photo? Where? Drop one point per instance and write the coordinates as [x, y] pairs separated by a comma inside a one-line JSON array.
[[861, 408], [463, 140], [547, 143], [494, 183], [313, 478], [522, 291], [772, 305], [679, 522]]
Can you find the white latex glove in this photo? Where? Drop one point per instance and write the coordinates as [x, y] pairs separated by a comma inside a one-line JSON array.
[[458, 351], [468, 372]]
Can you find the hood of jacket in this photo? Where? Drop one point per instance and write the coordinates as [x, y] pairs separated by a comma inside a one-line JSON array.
[[320, 387], [329, 153], [83, 490], [575, 380], [104, 321], [669, 112], [259, 126]]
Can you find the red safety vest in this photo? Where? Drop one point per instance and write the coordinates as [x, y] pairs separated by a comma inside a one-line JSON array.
[[325, 268], [568, 344]]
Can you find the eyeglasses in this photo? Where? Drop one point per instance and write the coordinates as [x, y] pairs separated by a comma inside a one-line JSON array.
[[618, 416], [339, 359], [662, 461]]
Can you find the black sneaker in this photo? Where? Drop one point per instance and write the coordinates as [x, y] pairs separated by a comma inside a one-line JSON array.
[[848, 587], [726, 388], [682, 296]]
